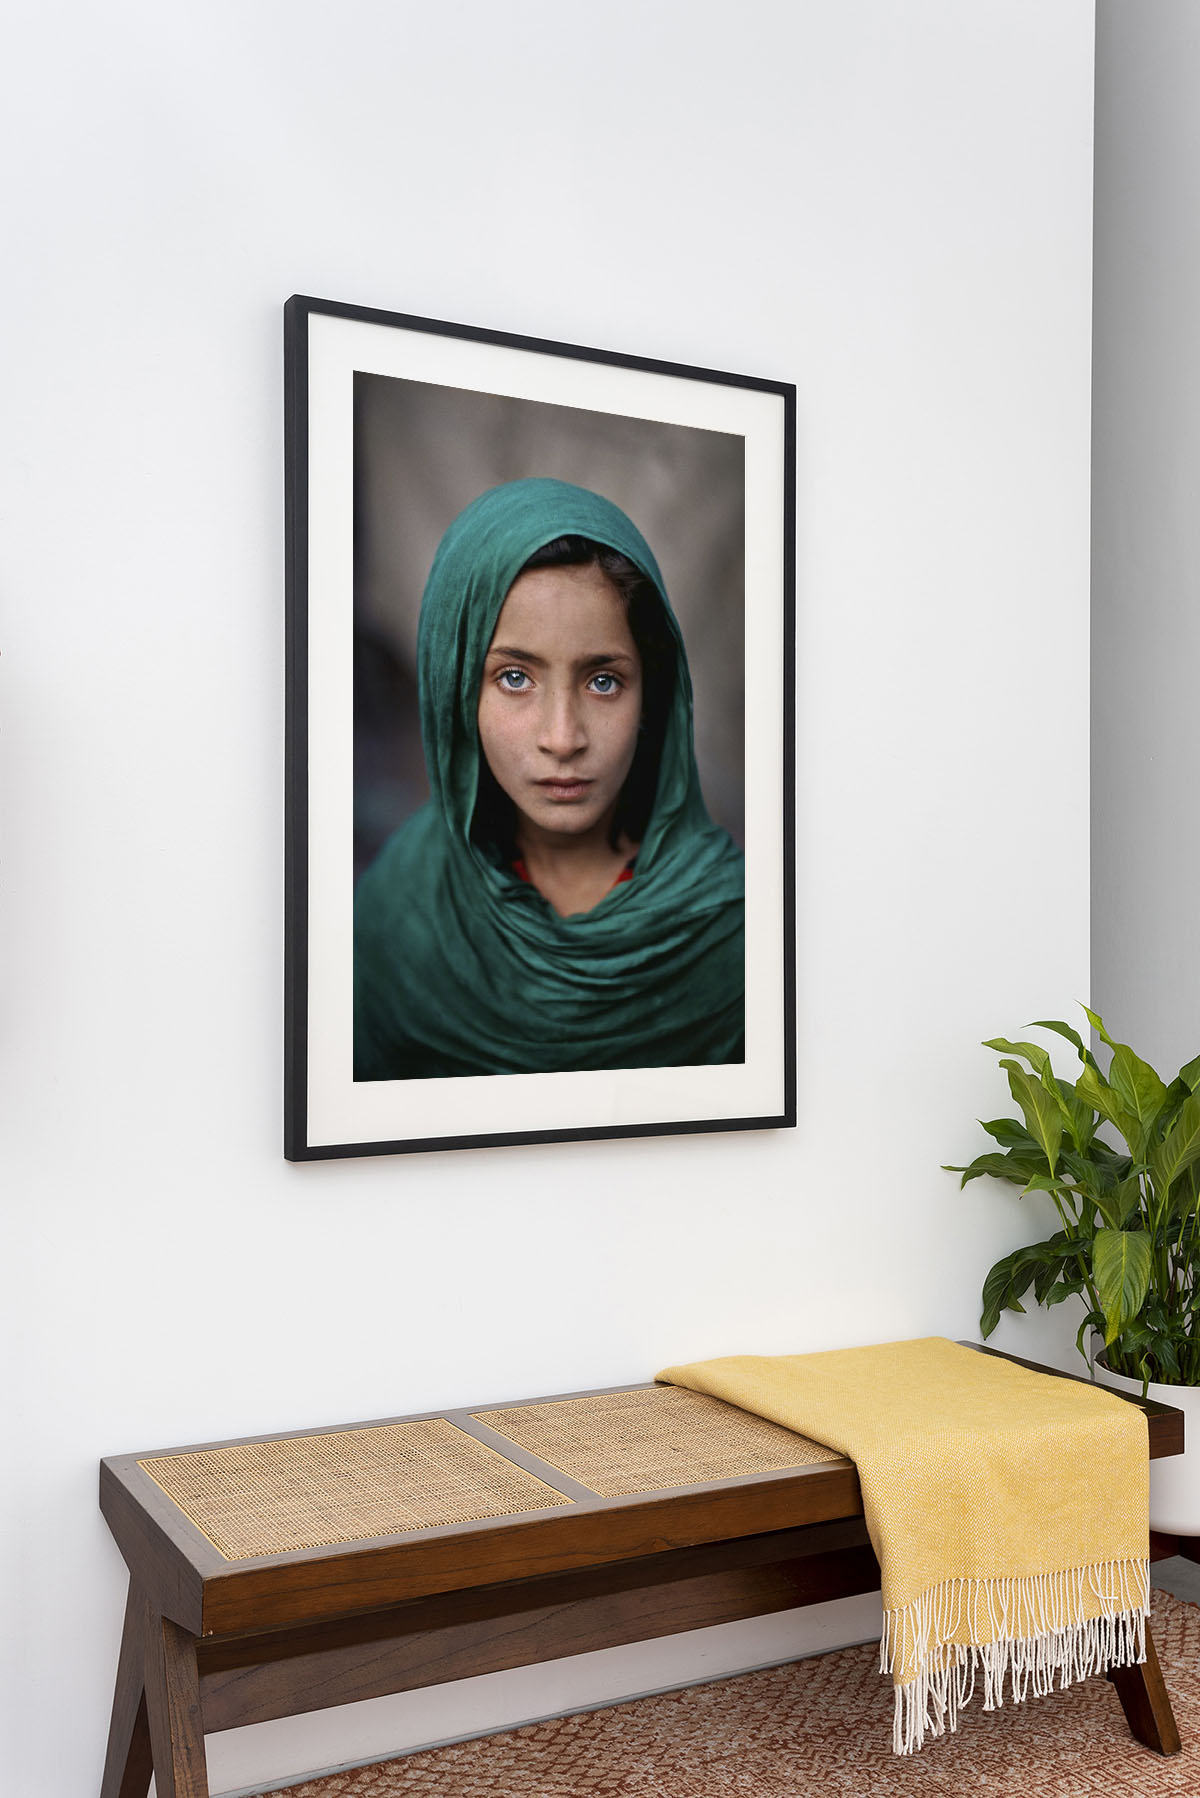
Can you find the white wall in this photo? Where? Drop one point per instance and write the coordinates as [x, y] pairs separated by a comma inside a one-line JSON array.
[[888, 205], [1146, 526]]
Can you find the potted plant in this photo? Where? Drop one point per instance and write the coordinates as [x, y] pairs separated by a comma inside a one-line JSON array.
[[1118, 1153]]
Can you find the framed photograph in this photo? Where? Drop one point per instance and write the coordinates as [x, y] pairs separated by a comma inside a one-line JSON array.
[[539, 863]]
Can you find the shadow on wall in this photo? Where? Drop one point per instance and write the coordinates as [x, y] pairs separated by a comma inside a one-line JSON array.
[[422, 453]]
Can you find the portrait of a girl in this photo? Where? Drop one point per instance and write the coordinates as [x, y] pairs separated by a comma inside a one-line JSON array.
[[563, 901]]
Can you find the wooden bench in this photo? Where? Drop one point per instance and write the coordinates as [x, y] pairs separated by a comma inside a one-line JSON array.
[[284, 1574]]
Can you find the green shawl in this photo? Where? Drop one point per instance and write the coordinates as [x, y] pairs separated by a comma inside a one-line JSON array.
[[460, 967]]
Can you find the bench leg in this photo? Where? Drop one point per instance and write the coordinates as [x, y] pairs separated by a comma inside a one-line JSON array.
[[1145, 1702], [173, 1709], [127, 1764]]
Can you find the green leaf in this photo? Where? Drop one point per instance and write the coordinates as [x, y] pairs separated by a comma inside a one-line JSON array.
[[1009, 1134], [1078, 1115], [1095, 1091], [1190, 1075], [1031, 1052], [1049, 1271], [1115, 1162], [1118, 1203], [1177, 1092], [1001, 1167], [1012, 1276], [997, 1296], [1085, 1329], [1044, 1183], [1039, 1108], [1072, 1036], [1062, 1289], [1137, 1086], [1168, 1360], [1183, 1211], [1121, 1262], [1088, 1177], [1179, 1148], [1097, 1024]]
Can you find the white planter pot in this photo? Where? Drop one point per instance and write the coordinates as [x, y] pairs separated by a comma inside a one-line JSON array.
[[1174, 1479]]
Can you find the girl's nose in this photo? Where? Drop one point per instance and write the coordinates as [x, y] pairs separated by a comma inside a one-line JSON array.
[[562, 731]]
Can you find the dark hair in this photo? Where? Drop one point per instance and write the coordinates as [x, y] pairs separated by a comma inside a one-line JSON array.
[[494, 821]]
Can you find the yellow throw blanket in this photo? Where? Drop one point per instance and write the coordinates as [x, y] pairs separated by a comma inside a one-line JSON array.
[[1008, 1510]]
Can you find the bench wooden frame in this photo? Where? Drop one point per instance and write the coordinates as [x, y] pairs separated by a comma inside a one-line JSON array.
[[211, 1644]]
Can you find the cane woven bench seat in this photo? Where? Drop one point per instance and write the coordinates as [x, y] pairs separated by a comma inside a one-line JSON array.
[[296, 1492], [652, 1439]]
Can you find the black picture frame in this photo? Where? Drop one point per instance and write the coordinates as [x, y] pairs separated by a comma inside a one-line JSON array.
[[329, 346]]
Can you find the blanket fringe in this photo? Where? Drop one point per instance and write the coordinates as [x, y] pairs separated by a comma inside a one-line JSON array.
[[1030, 1631]]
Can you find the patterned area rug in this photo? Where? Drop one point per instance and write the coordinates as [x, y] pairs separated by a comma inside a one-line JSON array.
[[820, 1727]]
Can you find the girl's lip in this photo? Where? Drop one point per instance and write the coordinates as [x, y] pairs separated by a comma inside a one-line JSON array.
[[564, 789]]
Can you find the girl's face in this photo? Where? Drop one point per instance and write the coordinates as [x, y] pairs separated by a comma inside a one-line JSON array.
[[561, 699]]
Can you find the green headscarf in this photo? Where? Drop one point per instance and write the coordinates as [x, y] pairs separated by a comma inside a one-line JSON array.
[[461, 967]]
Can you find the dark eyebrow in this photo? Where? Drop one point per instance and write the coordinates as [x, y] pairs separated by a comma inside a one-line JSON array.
[[515, 655], [614, 655]]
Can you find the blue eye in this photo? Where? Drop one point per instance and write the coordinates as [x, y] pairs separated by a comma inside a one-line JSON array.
[[604, 683], [513, 680]]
